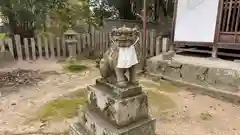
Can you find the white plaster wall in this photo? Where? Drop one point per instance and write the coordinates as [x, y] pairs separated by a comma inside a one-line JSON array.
[[196, 20]]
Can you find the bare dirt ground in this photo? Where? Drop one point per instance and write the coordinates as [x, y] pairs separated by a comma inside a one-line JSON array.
[[178, 111], [187, 113], [17, 107]]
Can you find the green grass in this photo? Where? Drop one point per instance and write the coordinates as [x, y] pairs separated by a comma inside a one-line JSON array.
[[64, 107], [2, 35]]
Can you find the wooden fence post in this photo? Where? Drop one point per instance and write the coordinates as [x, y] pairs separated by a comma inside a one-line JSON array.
[[93, 38], [2, 46], [46, 47], [152, 42], [33, 48], [141, 45], [26, 48], [84, 46], [58, 47], [88, 41], [52, 46], [158, 45], [165, 44], [80, 44], [107, 41], [97, 48], [101, 43], [10, 45], [40, 45], [18, 47], [64, 47], [146, 47]]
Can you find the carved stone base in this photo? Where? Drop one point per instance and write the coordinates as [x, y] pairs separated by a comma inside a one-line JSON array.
[[114, 111], [120, 92], [95, 125], [118, 111]]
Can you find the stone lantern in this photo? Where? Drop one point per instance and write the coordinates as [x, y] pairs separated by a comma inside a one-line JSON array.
[[71, 42]]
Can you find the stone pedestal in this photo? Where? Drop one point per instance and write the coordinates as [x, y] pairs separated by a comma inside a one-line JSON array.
[[114, 111]]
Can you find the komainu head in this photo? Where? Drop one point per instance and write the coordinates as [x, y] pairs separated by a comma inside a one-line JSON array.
[[124, 36]]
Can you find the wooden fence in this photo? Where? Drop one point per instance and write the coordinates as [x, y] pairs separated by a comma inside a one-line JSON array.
[[89, 45]]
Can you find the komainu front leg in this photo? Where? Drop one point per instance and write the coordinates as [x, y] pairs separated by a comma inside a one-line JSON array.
[[121, 78], [133, 76]]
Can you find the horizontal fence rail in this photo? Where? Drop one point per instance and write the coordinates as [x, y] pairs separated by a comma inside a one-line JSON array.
[[92, 44]]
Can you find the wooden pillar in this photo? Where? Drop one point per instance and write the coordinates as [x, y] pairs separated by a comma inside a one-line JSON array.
[[217, 29], [144, 19], [172, 45], [214, 50]]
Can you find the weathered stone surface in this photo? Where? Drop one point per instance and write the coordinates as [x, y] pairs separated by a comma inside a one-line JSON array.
[[168, 55], [120, 92], [188, 72], [77, 129], [95, 125], [118, 111], [173, 73], [175, 64], [223, 79], [111, 69], [205, 75]]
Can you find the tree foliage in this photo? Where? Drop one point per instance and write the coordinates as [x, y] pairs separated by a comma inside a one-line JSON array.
[[24, 16]]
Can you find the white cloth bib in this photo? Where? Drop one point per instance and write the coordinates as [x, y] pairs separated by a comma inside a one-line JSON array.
[[127, 57]]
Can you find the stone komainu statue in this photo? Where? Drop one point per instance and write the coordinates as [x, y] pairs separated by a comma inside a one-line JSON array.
[[120, 58]]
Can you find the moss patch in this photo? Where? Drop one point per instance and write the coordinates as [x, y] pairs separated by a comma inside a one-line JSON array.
[[64, 107], [159, 103], [74, 66]]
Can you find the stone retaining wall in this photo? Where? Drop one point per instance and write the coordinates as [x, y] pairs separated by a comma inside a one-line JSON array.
[[225, 80]]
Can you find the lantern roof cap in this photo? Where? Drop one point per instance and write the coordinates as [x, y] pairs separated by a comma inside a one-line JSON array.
[[70, 31]]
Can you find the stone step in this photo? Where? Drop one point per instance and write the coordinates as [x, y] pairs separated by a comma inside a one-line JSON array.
[[95, 125], [118, 111], [120, 92]]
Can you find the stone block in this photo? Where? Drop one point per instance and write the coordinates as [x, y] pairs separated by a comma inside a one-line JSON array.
[[175, 64], [168, 55], [120, 92], [223, 79], [172, 73], [95, 125], [116, 110], [189, 73]]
